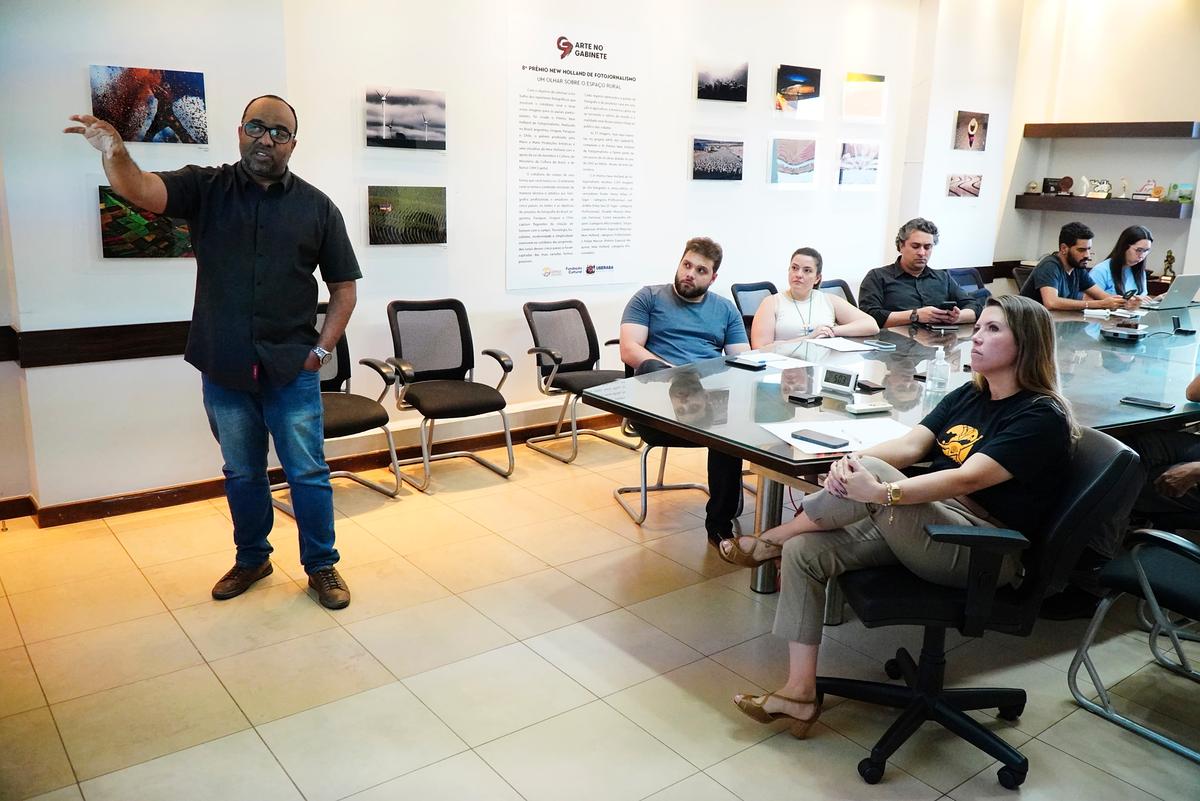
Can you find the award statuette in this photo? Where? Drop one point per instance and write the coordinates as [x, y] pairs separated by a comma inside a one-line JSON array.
[[1144, 191], [1099, 188], [1064, 185], [1031, 188], [1049, 186], [1124, 187]]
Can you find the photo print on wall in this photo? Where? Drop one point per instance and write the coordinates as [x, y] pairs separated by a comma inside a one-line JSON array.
[[793, 161], [859, 165], [151, 105], [970, 131], [406, 215], [722, 82], [864, 97], [716, 160], [798, 91], [409, 118], [963, 185], [130, 232]]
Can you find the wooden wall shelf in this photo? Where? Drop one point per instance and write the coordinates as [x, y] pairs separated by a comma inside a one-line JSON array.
[[1114, 130], [1113, 205]]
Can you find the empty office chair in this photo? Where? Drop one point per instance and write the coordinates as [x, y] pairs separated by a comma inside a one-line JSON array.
[[1021, 275], [1163, 570], [969, 279], [1102, 478], [836, 286], [346, 414], [568, 354], [748, 297], [435, 364]]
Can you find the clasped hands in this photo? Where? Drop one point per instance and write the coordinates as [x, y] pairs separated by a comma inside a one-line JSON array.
[[821, 332], [849, 478], [932, 314], [1177, 480]]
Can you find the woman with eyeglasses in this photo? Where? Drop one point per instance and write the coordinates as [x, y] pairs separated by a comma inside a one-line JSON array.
[[1125, 267]]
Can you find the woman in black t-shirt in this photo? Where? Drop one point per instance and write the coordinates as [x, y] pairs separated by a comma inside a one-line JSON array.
[[995, 445]]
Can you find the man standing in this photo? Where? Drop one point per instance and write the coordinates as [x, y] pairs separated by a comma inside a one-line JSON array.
[[666, 325], [259, 233], [1061, 282], [909, 292]]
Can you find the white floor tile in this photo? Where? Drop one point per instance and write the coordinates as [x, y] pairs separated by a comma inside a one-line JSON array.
[[709, 617], [458, 778], [533, 604]]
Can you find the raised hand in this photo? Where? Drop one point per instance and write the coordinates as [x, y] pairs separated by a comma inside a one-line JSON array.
[[97, 132]]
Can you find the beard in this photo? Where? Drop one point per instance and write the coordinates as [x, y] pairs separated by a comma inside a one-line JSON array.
[[273, 169], [689, 292], [1076, 263]]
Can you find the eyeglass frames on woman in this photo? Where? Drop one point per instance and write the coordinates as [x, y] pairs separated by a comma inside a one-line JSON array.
[[1141, 251], [255, 129]]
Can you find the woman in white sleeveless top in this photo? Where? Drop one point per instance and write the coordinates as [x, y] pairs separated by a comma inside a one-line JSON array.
[[804, 312]]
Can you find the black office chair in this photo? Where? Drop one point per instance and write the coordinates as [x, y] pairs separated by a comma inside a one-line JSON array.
[[748, 297], [969, 280], [1163, 570], [346, 414], [836, 286], [435, 364], [567, 354], [1021, 275], [1103, 476]]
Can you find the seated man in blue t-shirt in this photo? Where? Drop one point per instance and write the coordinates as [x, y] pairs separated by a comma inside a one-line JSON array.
[[1061, 281], [667, 325]]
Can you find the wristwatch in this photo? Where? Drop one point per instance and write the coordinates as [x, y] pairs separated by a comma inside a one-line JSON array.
[[913, 317], [323, 355]]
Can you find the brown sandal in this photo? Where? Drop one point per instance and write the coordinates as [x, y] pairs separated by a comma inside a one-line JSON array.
[[753, 707], [763, 551]]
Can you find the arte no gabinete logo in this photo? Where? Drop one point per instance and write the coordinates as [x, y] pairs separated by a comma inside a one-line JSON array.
[[580, 49]]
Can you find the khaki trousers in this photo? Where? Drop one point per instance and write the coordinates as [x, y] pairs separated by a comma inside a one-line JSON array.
[[862, 535]]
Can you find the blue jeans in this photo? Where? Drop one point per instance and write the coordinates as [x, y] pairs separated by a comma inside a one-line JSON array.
[[292, 415]]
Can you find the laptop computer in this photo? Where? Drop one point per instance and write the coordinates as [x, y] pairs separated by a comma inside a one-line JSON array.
[[1182, 294]]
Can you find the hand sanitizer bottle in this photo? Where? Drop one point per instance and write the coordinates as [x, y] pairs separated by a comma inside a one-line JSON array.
[[938, 373]]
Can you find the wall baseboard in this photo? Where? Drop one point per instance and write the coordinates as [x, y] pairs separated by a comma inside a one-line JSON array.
[[96, 508], [20, 506]]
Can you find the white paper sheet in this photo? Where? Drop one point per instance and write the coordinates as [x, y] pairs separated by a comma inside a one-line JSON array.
[[840, 344], [860, 433]]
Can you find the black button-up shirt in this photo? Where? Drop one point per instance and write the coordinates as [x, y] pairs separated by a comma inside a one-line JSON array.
[[890, 289], [256, 250]]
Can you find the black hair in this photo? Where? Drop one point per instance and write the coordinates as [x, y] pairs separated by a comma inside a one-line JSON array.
[[812, 253], [1116, 259], [295, 117], [1072, 232]]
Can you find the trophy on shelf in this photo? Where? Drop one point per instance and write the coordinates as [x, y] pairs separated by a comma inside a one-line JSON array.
[[1064, 185], [1124, 187], [1031, 188], [1169, 267], [1099, 188], [1050, 186], [1147, 188]]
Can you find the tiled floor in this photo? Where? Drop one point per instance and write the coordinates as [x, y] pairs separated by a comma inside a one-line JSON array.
[[507, 640]]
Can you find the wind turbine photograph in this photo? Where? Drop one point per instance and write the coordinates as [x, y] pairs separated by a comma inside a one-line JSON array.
[[407, 118]]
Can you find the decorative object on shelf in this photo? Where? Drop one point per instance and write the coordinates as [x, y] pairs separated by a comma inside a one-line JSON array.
[[722, 82], [1050, 186], [1031, 188], [406, 215], [1148, 186], [1099, 188], [1172, 193], [1169, 266], [963, 185], [1124, 187], [151, 105], [1157, 192], [1187, 193], [970, 130], [1064, 185], [1084, 183], [408, 118]]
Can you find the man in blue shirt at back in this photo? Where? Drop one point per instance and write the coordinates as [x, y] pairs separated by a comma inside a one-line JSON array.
[[667, 325]]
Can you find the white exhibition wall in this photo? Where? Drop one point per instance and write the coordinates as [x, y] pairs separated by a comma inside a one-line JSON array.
[[101, 429]]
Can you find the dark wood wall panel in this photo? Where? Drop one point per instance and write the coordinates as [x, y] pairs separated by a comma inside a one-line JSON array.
[[101, 343]]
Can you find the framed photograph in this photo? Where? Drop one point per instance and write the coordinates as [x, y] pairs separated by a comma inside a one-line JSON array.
[[970, 130], [963, 185], [406, 215], [864, 97], [406, 118], [1050, 186], [726, 82], [130, 232], [151, 105], [798, 92], [793, 162], [859, 164], [716, 159]]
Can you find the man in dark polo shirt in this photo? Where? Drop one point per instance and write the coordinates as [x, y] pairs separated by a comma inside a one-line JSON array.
[[1061, 281], [908, 292], [259, 233]]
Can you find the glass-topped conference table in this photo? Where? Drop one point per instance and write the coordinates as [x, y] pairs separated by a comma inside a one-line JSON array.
[[713, 404]]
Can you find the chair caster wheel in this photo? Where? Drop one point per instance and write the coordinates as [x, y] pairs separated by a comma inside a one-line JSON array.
[[1010, 712], [1010, 778], [892, 669], [872, 771]]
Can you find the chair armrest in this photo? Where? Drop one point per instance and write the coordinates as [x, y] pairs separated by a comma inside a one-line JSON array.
[[613, 342], [1001, 539], [506, 363], [1172, 542], [404, 369], [544, 382], [549, 353], [385, 371], [988, 547]]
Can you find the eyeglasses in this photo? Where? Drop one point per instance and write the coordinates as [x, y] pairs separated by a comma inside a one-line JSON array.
[[255, 129], [1141, 251]]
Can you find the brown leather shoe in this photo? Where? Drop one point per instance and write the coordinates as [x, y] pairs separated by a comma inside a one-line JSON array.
[[238, 580], [331, 588]]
